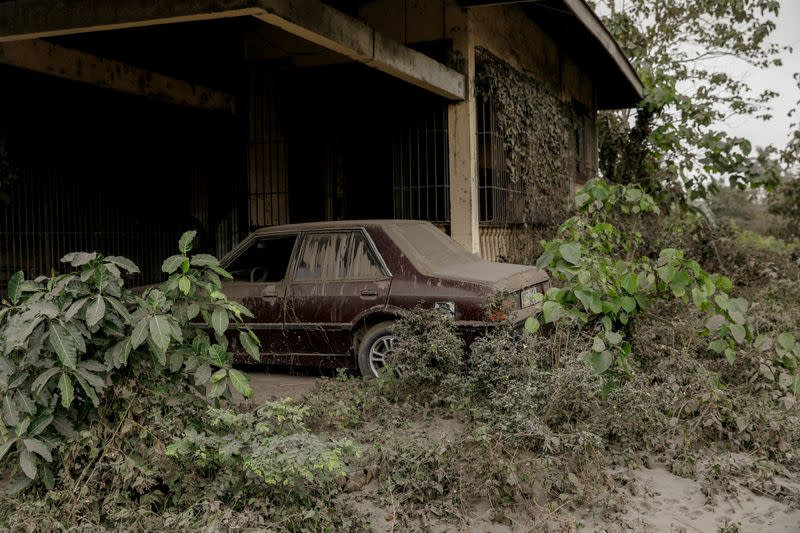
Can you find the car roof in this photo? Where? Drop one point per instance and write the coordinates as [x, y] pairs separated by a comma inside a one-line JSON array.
[[335, 224]]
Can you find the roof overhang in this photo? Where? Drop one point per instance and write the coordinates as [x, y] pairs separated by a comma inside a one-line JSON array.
[[312, 20], [574, 25]]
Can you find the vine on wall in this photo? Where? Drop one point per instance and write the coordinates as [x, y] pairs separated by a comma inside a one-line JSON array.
[[537, 129]]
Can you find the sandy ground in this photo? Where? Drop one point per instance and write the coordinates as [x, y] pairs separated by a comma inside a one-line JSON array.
[[669, 503], [276, 386]]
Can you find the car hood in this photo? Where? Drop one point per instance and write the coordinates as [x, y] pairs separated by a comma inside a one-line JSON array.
[[497, 276]]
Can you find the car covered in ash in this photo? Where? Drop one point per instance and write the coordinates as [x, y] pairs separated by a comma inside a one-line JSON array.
[[329, 293]]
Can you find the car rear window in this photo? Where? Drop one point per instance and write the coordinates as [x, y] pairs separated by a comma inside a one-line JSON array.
[[336, 256]]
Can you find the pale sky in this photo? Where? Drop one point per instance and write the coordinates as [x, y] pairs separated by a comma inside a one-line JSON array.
[[779, 79]]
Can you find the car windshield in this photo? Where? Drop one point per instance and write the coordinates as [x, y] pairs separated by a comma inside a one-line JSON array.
[[429, 248]]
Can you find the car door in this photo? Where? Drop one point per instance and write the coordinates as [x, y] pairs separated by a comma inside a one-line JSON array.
[[259, 282], [337, 277]]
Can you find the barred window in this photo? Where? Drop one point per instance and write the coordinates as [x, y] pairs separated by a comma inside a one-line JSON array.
[[501, 199]]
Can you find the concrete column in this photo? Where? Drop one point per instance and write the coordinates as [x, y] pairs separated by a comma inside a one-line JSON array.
[[462, 130]]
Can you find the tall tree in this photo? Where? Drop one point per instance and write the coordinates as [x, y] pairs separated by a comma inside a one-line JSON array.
[[674, 144]]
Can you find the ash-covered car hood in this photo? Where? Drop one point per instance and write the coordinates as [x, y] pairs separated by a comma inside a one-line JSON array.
[[435, 254]]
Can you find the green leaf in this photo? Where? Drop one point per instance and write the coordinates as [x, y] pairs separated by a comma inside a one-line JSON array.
[[218, 389], [95, 311], [76, 306], [27, 462], [139, 334], [47, 476], [598, 345], [552, 311], [24, 403], [601, 361], [204, 260], [737, 317], [39, 424], [628, 304], [63, 344], [42, 379], [250, 342], [730, 355], [160, 332], [221, 271], [120, 309], [571, 252], [544, 260], [38, 447], [724, 283], [4, 447], [219, 375], [192, 311], [124, 263], [240, 382], [15, 286], [715, 322], [786, 340], [738, 332], [613, 338], [67, 390], [10, 411], [172, 263], [185, 242], [630, 282], [202, 374], [89, 390], [532, 324], [718, 346], [184, 284], [219, 320], [175, 361]]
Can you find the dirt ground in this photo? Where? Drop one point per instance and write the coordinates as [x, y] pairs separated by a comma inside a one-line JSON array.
[[270, 385], [658, 501]]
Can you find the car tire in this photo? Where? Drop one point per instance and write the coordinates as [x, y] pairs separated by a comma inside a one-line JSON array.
[[375, 345]]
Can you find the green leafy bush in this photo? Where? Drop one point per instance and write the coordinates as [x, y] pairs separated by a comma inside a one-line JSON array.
[[605, 281], [69, 342]]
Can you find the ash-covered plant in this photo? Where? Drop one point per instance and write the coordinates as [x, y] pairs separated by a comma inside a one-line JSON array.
[[430, 351], [268, 451], [606, 281], [71, 342]]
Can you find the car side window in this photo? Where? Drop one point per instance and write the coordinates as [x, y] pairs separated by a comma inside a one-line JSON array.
[[265, 261], [336, 256]]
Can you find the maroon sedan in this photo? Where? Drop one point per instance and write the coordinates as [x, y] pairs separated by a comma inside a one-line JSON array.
[[328, 293]]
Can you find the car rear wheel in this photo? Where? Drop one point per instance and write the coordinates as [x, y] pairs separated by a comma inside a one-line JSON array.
[[376, 349]]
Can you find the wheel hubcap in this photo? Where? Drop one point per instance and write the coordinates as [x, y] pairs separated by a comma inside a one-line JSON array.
[[380, 351]]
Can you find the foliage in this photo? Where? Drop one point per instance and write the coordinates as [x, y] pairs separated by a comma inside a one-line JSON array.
[[430, 354], [267, 451], [786, 203], [536, 128], [69, 343], [675, 142], [606, 282]]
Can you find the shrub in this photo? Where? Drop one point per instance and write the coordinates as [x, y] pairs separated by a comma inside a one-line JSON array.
[[69, 344]]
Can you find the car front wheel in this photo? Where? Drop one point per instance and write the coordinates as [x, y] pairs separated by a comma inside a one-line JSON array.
[[376, 348]]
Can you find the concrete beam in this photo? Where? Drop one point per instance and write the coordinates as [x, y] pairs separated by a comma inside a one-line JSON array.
[[310, 19], [47, 58]]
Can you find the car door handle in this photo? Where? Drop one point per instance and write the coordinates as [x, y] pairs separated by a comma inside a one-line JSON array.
[[269, 292], [369, 294]]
